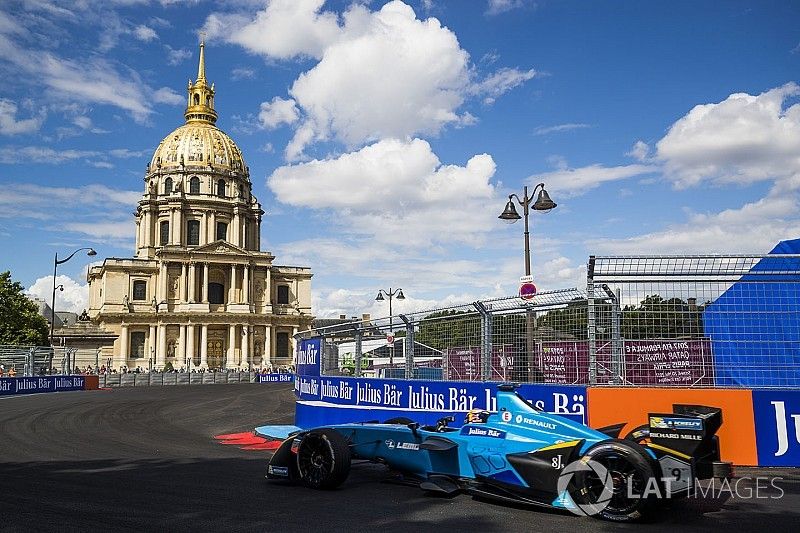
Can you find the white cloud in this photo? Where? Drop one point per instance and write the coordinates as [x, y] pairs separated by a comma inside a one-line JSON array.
[[501, 6], [10, 125], [755, 227], [277, 112], [639, 151], [544, 130], [393, 188], [74, 297], [145, 33], [742, 139], [242, 73], [501, 82], [176, 56], [283, 30], [11, 155], [577, 181], [166, 95]]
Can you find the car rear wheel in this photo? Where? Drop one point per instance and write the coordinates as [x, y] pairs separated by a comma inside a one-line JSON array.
[[620, 483], [323, 459]]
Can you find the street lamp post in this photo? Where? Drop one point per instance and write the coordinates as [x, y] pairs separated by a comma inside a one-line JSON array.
[[56, 262], [391, 294], [510, 215]]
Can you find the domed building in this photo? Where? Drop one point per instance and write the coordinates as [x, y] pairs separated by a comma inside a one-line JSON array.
[[199, 292]]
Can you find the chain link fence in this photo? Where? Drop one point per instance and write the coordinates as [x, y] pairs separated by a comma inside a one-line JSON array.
[[36, 360], [660, 321]]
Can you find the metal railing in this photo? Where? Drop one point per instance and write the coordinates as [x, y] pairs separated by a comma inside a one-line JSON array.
[[648, 321]]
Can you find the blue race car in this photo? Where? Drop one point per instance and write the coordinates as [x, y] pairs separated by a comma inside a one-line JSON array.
[[522, 455]]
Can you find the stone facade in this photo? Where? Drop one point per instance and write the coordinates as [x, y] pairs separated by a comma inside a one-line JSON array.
[[199, 292]]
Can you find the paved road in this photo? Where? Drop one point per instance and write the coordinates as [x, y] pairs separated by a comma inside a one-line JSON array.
[[144, 459]]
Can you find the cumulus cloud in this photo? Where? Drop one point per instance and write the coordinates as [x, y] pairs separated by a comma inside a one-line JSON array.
[[576, 181], [74, 297], [395, 187], [176, 56], [277, 112], [742, 139], [283, 30], [639, 151], [501, 6], [11, 125]]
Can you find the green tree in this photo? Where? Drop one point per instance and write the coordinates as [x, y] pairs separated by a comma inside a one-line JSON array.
[[20, 321]]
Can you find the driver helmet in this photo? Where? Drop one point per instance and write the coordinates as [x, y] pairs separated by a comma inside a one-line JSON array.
[[476, 416]]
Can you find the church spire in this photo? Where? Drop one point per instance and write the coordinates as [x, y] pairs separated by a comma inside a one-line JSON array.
[[200, 107], [201, 67]]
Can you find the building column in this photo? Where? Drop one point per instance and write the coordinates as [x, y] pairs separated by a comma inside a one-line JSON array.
[[293, 347], [231, 346], [184, 275], [245, 345], [213, 226], [251, 333], [258, 236], [204, 346], [161, 353], [235, 229], [232, 288], [205, 283], [192, 281], [204, 230], [246, 284], [268, 287], [151, 344], [266, 358], [123, 346], [190, 351], [180, 354], [177, 228]]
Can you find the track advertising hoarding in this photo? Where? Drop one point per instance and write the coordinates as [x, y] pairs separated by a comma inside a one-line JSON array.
[[464, 364], [660, 362], [275, 378], [777, 424], [36, 384], [308, 358]]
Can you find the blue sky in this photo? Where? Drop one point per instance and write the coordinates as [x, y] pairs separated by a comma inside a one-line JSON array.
[[384, 138]]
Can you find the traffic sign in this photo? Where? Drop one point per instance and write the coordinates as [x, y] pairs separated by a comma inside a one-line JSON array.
[[527, 291], [526, 279], [390, 339]]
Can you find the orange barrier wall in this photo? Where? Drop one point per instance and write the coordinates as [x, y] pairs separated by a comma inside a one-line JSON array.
[[736, 436], [92, 383]]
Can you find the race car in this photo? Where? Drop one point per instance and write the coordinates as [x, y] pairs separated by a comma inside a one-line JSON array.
[[522, 455]]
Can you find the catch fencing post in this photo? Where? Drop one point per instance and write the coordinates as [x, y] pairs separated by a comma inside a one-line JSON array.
[[486, 340], [31, 361], [590, 321], [357, 355], [409, 348]]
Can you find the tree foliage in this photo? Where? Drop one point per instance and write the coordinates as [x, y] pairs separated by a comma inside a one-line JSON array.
[[20, 321]]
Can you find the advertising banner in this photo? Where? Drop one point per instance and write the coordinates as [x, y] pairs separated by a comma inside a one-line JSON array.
[[464, 364], [659, 362], [35, 384], [363, 399], [275, 378], [777, 423], [309, 357], [737, 439]]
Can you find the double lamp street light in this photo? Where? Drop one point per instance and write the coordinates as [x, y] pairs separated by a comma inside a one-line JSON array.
[[57, 262], [380, 298]]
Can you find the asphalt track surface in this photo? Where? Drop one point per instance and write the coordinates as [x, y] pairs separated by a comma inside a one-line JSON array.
[[145, 459]]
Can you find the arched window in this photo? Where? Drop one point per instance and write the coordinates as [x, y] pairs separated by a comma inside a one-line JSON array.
[[168, 186], [241, 192], [196, 99], [194, 185], [216, 293], [221, 188], [222, 231]]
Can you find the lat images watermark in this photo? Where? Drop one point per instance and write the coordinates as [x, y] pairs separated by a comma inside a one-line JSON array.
[[609, 484]]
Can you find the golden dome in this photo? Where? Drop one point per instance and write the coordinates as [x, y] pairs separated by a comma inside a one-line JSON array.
[[198, 144]]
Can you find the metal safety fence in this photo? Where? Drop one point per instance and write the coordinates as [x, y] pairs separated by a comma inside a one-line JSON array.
[[36, 360], [661, 321]]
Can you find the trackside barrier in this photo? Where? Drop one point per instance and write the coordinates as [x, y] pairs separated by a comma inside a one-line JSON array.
[[760, 427], [133, 379], [37, 385]]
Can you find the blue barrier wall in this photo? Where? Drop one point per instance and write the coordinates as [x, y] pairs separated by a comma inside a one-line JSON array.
[[777, 426], [32, 385], [332, 400], [275, 378]]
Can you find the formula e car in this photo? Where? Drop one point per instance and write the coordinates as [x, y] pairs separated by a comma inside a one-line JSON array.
[[522, 455]]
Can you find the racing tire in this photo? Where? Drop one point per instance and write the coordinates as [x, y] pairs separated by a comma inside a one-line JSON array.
[[626, 494], [639, 435], [399, 420], [323, 459]]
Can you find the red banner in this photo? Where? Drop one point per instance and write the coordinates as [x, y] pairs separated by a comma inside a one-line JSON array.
[[464, 364]]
